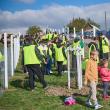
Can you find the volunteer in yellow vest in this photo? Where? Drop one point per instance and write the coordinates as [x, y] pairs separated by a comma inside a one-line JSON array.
[[65, 62], [64, 39], [49, 60], [32, 60], [44, 37], [105, 46], [47, 53], [49, 36], [59, 56], [75, 45], [55, 35]]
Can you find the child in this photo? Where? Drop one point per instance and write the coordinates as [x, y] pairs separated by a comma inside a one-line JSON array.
[[91, 78], [104, 73]]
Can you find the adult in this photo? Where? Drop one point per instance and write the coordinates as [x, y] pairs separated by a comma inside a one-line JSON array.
[[32, 60], [103, 46]]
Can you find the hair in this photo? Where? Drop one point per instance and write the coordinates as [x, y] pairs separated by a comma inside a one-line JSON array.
[[103, 61], [28, 38], [94, 52]]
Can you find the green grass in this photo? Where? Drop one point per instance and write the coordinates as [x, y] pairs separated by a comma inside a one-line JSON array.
[[18, 96]]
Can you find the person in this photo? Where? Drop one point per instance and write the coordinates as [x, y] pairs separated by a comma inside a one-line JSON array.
[[60, 55], [103, 46], [91, 78], [32, 60], [100, 47], [93, 46], [75, 45], [49, 60], [104, 73]]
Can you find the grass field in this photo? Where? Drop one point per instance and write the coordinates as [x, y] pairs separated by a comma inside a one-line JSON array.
[[18, 96]]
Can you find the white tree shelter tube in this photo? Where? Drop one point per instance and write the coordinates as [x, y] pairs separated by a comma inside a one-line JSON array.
[[79, 67], [68, 70], [6, 61]]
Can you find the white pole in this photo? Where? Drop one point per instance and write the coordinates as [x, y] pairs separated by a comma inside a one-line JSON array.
[[63, 30], [68, 70], [6, 60], [79, 69], [94, 31], [12, 65], [78, 75], [59, 31], [82, 34], [74, 32], [68, 33], [83, 41], [80, 64]]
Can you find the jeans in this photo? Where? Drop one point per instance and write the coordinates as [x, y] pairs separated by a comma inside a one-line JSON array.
[[33, 70], [105, 55], [60, 67], [105, 88], [48, 65]]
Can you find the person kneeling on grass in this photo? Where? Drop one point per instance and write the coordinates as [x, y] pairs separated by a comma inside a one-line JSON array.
[[91, 78], [104, 73]]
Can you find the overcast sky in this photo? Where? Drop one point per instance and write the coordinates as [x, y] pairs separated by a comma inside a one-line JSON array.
[[17, 15]]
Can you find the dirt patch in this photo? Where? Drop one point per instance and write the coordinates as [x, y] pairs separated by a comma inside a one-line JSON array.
[[62, 91]]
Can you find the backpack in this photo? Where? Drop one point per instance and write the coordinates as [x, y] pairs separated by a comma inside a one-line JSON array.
[[69, 101]]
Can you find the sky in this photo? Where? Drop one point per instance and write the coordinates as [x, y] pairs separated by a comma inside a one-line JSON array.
[[18, 15]]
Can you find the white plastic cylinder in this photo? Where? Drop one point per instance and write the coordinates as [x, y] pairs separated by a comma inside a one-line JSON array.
[[6, 60], [12, 57], [68, 70]]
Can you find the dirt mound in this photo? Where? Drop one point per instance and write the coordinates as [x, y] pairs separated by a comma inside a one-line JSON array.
[[62, 91]]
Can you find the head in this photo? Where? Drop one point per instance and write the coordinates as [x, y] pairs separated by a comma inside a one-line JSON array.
[[28, 39], [104, 63], [94, 55]]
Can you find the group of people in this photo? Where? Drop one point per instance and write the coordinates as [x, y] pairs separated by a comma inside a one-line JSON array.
[[47, 50], [51, 49], [39, 56]]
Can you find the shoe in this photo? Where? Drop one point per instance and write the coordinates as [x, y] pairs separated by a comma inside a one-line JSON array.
[[32, 90], [65, 71], [107, 96], [88, 103], [97, 106], [45, 88]]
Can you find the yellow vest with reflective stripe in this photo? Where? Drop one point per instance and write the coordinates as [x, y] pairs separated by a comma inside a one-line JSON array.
[[49, 36], [55, 36], [1, 57], [30, 56], [75, 45], [59, 54], [105, 47]]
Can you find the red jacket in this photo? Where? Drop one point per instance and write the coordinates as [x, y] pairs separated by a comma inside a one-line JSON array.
[[104, 73]]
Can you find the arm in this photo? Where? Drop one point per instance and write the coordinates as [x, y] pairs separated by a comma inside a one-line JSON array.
[[22, 57], [87, 71], [39, 55], [64, 54], [104, 72]]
